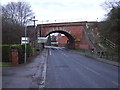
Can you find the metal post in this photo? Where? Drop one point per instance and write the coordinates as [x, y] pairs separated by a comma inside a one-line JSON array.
[[35, 38], [25, 46], [41, 46], [25, 54]]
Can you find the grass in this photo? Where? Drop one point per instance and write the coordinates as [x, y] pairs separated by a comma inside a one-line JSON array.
[[80, 50], [5, 64]]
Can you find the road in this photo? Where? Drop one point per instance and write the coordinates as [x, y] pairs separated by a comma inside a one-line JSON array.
[[66, 69]]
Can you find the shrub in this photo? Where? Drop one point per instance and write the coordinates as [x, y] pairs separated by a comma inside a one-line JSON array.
[[37, 49], [6, 56], [28, 49]]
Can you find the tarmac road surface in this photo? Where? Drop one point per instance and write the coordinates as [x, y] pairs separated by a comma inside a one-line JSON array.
[[66, 69]]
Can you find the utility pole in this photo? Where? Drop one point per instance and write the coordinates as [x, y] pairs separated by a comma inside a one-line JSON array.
[[41, 34], [35, 38], [41, 29], [34, 20], [25, 55]]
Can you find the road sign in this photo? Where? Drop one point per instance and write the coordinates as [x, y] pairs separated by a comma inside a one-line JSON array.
[[24, 40], [42, 39]]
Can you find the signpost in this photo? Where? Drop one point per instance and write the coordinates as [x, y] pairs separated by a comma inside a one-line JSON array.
[[24, 40]]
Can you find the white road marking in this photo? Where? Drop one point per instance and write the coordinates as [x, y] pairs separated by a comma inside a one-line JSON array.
[[50, 52], [114, 82], [64, 54]]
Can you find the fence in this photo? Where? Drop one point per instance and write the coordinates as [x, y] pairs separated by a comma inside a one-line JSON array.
[[108, 43]]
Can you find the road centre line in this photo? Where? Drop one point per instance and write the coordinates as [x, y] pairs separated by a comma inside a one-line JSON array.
[[50, 52], [64, 54]]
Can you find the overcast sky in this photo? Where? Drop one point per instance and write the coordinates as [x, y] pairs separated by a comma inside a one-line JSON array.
[[66, 10]]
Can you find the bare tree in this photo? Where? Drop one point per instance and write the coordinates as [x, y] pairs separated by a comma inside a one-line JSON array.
[[108, 5], [14, 17], [19, 12]]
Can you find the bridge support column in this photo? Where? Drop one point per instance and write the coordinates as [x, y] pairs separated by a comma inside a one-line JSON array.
[[70, 44], [79, 45]]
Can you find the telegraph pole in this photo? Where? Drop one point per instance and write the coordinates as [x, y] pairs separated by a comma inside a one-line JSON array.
[[34, 20], [25, 55]]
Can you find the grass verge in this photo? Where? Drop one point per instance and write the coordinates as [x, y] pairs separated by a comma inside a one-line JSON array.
[[80, 50], [5, 64]]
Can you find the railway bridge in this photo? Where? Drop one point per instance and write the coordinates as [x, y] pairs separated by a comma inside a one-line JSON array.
[[74, 31]]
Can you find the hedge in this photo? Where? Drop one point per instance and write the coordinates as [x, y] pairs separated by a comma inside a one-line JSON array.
[[6, 52], [28, 48], [6, 56]]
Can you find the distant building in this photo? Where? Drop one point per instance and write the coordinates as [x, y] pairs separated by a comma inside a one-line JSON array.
[[62, 40]]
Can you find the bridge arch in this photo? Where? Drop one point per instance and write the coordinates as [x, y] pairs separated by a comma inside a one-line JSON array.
[[74, 31], [71, 40]]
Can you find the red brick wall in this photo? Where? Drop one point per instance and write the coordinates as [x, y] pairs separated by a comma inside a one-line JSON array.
[[14, 56], [62, 40], [75, 30]]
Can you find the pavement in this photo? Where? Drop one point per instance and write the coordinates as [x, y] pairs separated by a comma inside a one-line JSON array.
[[26, 76], [66, 69]]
